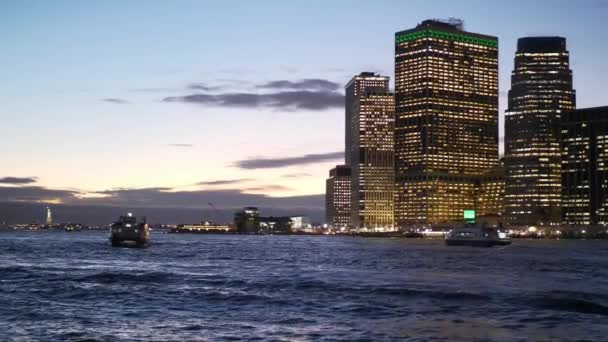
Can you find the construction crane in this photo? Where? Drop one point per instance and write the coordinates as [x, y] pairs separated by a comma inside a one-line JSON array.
[[217, 212]]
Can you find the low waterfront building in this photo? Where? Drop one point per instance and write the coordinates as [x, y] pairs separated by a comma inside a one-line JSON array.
[[300, 222], [275, 225], [203, 227], [249, 221]]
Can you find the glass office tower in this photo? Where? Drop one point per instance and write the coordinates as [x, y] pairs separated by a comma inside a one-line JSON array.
[[541, 91], [446, 126]]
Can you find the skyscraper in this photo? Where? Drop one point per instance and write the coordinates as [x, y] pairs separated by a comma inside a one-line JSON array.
[[446, 128], [541, 90], [337, 197], [358, 85], [585, 167], [372, 161], [491, 194]]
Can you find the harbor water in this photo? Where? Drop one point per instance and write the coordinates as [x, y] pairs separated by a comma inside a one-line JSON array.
[[57, 286]]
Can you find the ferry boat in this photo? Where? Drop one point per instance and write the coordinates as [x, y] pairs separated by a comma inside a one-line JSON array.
[[126, 232], [204, 227], [476, 235]]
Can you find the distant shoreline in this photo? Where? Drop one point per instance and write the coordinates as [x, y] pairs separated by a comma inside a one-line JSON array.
[[600, 236]]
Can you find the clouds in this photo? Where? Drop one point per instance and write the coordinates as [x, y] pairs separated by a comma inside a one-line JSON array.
[[289, 100], [240, 185], [269, 188], [304, 94], [35, 194], [115, 100], [203, 87], [18, 180], [166, 197], [162, 197], [296, 175], [270, 163], [304, 84], [225, 182], [20, 189], [181, 145]]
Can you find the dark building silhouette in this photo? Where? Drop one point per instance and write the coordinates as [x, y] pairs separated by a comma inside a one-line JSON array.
[[372, 161], [361, 84], [247, 221], [275, 225], [585, 167], [541, 91], [446, 125], [338, 197]]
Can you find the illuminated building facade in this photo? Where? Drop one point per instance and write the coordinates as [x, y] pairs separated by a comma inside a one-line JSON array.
[[361, 84], [541, 91], [446, 125], [300, 222], [372, 161], [491, 194], [585, 167], [203, 227], [337, 197]]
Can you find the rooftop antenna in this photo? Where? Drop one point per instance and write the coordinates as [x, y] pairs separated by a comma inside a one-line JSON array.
[[456, 22]]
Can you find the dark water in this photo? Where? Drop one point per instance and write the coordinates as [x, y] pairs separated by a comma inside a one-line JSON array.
[[75, 287]]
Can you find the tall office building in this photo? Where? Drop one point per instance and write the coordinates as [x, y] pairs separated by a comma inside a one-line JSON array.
[[363, 83], [446, 128], [337, 197], [491, 194], [585, 167], [541, 90], [372, 161]]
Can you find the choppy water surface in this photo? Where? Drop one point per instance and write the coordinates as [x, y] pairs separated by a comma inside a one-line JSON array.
[[74, 286]]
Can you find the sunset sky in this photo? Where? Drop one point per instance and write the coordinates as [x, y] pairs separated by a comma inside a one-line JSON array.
[[180, 103]]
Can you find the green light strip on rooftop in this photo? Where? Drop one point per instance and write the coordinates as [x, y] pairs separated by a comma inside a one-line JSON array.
[[406, 37]]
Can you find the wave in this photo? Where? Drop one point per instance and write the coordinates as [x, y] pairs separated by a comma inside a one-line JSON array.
[[126, 277], [319, 286], [16, 272], [570, 304], [447, 295]]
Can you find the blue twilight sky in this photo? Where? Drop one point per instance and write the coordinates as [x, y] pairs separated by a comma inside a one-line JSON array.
[[96, 101]]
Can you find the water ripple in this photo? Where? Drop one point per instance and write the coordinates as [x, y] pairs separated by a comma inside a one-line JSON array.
[[75, 287]]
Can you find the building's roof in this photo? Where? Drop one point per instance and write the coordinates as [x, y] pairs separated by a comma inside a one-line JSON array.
[[541, 44], [444, 27]]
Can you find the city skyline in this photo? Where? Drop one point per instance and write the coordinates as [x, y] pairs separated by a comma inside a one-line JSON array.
[[187, 124]]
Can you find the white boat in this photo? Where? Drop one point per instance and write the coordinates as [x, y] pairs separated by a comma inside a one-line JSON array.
[[476, 235], [126, 232]]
